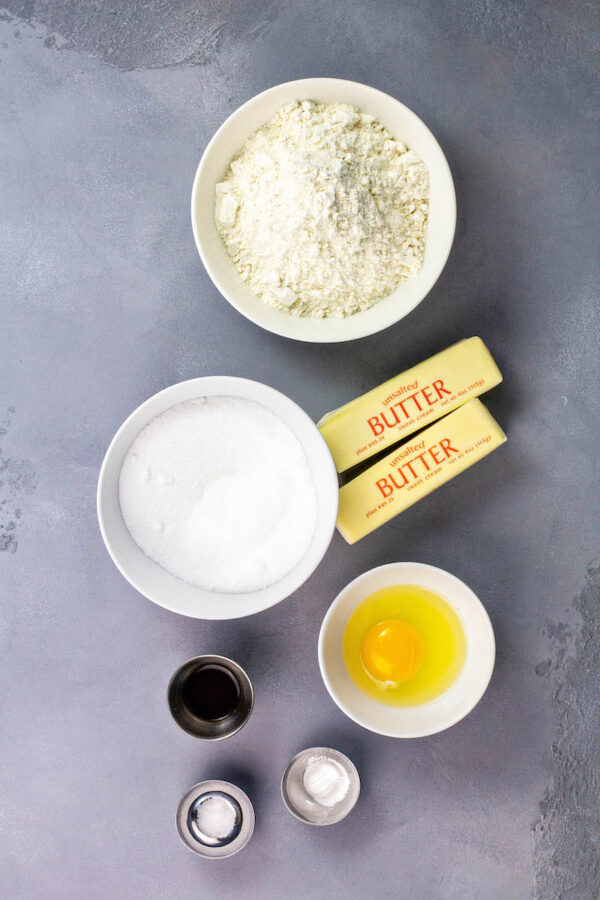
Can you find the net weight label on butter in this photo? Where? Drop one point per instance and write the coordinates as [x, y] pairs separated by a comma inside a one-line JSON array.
[[408, 402], [416, 469]]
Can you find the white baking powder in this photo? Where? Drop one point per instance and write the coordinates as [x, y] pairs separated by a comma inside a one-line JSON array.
[[323, 212], [218, 491], [325, 781]]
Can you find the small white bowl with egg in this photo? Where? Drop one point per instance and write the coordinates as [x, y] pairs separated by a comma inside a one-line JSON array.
[[435, 715], [153, 580], [405, 126]]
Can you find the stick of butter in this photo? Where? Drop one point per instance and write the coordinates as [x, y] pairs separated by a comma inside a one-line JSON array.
[[417, 468], [409, 401]]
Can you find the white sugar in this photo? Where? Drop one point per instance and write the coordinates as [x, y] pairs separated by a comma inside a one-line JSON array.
[[218, 492]]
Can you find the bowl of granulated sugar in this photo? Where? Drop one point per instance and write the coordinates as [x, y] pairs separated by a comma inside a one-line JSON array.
[[323, 210], [217, 497]]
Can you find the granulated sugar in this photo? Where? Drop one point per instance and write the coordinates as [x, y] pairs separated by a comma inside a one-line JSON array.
[[218, 492]]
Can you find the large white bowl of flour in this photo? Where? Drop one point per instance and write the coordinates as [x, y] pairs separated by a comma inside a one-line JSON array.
[[404, 126], [217, 497]]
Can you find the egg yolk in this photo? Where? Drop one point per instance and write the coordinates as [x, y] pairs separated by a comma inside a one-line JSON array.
[[392, 651]]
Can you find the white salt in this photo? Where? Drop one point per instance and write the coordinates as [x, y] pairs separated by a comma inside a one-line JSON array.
[[218, 492], [215, 817]]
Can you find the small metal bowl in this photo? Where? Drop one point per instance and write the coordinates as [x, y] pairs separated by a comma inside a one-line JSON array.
[[301, 805], [190, 830], [204, 729]]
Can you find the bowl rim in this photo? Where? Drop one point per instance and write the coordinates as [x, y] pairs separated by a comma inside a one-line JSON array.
[[258, 392], [287, 329], [485, 678]]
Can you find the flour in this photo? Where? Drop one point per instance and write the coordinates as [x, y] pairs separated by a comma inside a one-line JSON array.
[[323, 212], [218, 492]]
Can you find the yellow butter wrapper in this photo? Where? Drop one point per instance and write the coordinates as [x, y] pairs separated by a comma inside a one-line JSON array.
[[409, 402], [417, 468]]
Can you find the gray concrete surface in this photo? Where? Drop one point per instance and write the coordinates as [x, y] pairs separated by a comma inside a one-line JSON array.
[[105, 111]]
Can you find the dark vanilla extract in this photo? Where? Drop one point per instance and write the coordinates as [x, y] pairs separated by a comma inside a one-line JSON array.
[[211, 692]]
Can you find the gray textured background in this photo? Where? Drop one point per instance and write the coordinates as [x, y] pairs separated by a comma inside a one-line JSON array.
[[105, 111]]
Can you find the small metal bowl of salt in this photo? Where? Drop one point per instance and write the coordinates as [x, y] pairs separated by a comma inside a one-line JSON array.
[[320, 786], [215, 819]]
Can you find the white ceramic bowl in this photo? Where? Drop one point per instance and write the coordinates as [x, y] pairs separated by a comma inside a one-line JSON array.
[[438, 714], [155, 582], [400, 122]]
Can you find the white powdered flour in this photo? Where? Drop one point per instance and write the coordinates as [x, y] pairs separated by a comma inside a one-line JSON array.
[[218, 491], [323, 212]]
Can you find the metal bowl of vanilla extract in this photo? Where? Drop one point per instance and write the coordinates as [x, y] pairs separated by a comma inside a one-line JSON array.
[[210, 697]]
